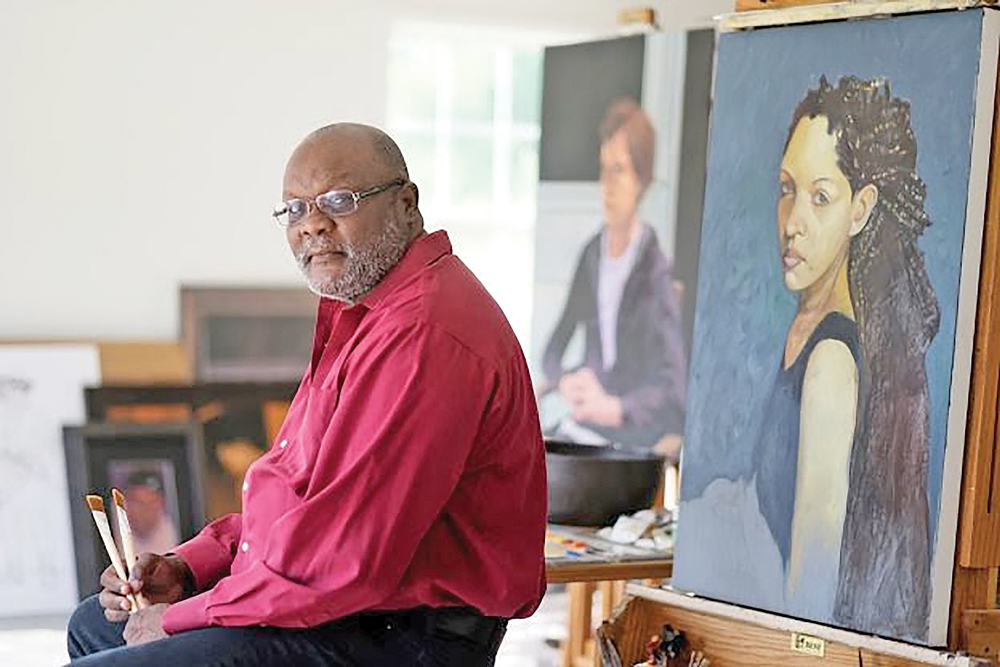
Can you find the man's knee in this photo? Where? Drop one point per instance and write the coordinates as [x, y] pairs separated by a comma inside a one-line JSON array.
[[89, 631], [86, 613]]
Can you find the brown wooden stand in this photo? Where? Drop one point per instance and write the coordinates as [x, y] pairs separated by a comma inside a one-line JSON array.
[[752, 5], [734, 637], [974, 621]]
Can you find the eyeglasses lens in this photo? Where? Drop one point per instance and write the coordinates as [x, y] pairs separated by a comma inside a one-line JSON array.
[[337, 202]]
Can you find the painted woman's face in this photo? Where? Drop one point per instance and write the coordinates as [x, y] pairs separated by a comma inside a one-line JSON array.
[[620, 187], [814, 206]]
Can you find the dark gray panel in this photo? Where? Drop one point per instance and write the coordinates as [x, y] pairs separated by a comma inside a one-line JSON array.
[[580, 81]]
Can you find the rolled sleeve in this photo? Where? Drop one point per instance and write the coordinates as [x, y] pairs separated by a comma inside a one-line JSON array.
[[208, 559], [189, 614], [210, 553]]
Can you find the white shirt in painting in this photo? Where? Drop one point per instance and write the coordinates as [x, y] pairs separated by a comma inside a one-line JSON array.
[[612, 274]]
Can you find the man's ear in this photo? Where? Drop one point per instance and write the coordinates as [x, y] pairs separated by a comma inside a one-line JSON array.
[[411, 196], [862, 206]]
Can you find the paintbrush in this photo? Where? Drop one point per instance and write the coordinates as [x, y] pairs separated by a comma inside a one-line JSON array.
[[698, 659], [96, 505], [128, 543]]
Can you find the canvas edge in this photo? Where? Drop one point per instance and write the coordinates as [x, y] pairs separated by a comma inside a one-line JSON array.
[[943, 561], [663, 78]]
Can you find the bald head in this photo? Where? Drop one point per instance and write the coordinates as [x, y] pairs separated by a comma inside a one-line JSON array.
[[375, 151]]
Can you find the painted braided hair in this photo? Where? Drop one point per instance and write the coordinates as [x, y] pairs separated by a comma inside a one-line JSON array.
[[884, 581]]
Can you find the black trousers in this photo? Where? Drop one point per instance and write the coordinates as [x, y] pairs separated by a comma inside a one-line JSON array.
[[376, 640]]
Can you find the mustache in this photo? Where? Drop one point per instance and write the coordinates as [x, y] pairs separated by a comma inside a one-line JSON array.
[[316, 246]]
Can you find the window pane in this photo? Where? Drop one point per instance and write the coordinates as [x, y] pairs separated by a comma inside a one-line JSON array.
[[411, 83], [503, 260], [524, 173], [527, 86], [418, 151], [472, 87], [471, 172]]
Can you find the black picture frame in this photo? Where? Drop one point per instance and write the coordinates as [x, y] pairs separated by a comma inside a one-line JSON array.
[[247, 333], [247, 415], [93, 450]]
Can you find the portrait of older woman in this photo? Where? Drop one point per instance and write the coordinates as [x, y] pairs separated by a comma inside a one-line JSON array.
[[630, 387]]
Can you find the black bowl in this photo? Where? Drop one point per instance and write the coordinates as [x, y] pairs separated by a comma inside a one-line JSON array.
[[592, 486]]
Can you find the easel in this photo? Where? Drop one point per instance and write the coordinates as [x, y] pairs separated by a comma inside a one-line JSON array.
[[739, 637], [582, 581]]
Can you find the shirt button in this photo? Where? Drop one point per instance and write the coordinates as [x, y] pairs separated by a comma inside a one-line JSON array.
[[245, 546], [284, 443]]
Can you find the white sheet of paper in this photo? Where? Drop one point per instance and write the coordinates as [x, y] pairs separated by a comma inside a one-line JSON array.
[[41, 390]]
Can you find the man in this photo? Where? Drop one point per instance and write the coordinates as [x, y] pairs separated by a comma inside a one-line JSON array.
[[399, 518]]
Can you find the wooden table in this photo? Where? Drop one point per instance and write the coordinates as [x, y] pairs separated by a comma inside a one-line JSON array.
[[569, 573], [609, 576]]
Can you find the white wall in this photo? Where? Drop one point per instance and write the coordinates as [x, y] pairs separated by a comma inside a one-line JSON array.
[[142, 143]]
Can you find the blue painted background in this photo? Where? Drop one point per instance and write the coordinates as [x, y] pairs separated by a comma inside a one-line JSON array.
[[744, 310]]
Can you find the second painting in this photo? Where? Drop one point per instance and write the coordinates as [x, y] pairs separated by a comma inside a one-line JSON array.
[[617, 237]]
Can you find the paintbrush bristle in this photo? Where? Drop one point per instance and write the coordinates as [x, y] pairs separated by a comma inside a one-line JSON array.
[[96, 503], [119, 498]]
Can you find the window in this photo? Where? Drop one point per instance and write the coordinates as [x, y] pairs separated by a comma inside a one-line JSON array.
[[465, 106]]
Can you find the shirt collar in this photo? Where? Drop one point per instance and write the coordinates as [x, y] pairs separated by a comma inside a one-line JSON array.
[[422, 252], [627, 258]]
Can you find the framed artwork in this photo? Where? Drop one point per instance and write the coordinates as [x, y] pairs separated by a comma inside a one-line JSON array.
[[41, 389], [839, 269], [609, 327], [247, 334], [158, 467], [239, 423]]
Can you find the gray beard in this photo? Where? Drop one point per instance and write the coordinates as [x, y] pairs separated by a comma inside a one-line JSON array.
[[364, 265]]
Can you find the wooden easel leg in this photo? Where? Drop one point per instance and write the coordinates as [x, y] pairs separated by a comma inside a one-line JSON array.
[[607, 589], [972, 589], [609, 599], [580, 597]]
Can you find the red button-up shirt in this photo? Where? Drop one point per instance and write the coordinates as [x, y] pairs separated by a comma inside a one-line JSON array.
[[409, 471]]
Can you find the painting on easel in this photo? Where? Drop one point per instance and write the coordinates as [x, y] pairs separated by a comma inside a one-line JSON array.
[[836, 303]]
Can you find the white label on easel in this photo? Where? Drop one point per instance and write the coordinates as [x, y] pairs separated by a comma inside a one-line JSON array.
[[808, 645]]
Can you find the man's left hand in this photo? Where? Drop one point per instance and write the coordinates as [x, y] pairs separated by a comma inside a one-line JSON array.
[[145, 625]]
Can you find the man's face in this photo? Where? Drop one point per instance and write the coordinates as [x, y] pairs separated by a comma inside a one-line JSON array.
[[343, 257]]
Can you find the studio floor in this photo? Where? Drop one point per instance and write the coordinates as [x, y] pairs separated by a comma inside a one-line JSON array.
[[41, 642]]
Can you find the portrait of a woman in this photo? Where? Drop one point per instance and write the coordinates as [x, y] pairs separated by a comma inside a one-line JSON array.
[[849, 466], [834, 509], [630, 386]]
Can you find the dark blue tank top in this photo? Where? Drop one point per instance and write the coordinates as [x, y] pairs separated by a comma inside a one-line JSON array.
[[776, 457]]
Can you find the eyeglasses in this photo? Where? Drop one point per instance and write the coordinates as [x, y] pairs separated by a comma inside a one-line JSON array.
[[335, 203]]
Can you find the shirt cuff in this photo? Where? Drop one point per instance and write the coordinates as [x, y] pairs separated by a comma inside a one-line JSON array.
[[189, 614], [207, 559]]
